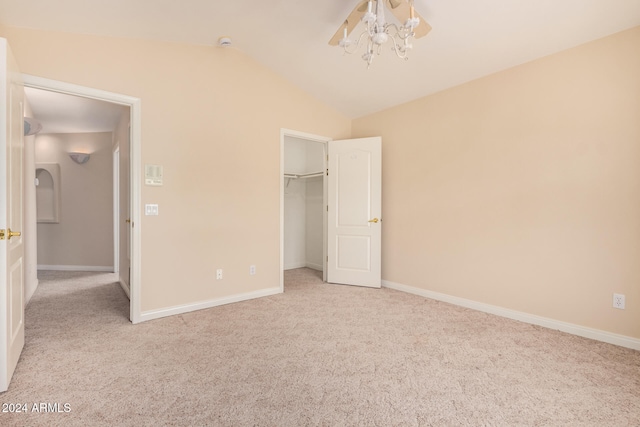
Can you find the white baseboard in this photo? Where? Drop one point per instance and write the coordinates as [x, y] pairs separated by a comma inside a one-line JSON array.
[[314, 266], [186, 308], [295, 265], [303, 265], [582, 331], [125, 288], [100, 268]]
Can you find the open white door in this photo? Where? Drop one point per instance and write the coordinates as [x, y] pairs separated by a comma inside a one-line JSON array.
[[11, 215], [354, 225]]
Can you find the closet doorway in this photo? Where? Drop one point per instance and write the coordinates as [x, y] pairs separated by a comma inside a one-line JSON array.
[[304, 202], [349, 172]]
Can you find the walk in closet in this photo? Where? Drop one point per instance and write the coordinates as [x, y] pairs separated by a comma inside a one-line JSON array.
[[304, 174]]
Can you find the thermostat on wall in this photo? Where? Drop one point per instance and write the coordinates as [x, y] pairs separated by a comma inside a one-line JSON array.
[[153, 174]]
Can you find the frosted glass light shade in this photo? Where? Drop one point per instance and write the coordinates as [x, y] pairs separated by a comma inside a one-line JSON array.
[[80, 158]]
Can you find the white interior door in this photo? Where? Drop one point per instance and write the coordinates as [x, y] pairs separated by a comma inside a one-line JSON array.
[[354, 227], [11, 215]]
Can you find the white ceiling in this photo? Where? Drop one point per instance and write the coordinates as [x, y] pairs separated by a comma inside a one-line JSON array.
[[470, 38], [61, 113]]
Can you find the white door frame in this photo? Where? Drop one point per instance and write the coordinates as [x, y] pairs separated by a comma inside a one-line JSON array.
[[116, 208], [314, 138], [134, 105]]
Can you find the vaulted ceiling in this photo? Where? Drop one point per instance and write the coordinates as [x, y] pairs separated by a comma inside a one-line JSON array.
[[469, 39]]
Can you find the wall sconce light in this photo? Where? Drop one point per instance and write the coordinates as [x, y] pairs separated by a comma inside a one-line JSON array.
[[31, 126], [80, 158]]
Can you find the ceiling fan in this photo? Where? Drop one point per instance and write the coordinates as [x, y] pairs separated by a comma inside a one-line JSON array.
[[378, 31]]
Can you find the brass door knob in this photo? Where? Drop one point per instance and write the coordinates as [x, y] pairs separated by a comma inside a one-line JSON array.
[[374, 220], [9, 234]]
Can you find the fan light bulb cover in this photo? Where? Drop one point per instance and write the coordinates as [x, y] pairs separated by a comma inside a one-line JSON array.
[[412, 23], [369, 18], [380, 38]]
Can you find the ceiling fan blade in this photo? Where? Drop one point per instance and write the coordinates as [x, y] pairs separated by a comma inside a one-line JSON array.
[[351, 22], [401, 10]]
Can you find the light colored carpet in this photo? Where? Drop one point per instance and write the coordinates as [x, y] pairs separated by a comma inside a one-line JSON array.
[[318, 354]]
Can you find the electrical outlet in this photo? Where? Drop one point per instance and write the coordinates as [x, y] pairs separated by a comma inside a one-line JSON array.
[[618, 301], [219, 274], [252, 270]]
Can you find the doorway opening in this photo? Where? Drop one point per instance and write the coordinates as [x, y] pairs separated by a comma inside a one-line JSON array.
[[303, 202], [122, 154]]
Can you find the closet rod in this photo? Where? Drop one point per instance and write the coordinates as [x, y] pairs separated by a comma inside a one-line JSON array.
[[303, 175]]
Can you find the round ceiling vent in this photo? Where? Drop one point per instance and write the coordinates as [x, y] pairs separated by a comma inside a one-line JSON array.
[[224, 41]]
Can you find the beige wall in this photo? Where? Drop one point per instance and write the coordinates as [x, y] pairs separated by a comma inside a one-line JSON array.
[[84, 234], [212, 118], [30, 229], [522, 189]]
